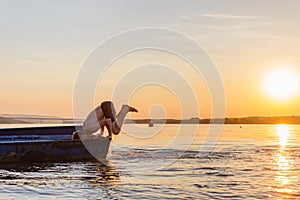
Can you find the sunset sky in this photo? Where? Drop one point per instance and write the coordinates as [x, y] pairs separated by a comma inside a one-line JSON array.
[[252, 43]]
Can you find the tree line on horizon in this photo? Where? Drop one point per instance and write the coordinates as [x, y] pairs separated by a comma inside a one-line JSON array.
[[242, 120]]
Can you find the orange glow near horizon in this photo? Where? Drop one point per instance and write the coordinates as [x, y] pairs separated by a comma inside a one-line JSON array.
[[174, 93], [280, 96], [164, 105]]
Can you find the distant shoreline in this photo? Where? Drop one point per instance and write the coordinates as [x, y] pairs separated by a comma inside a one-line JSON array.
[[242, 120]]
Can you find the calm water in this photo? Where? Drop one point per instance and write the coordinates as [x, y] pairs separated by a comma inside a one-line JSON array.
[[252, 162]]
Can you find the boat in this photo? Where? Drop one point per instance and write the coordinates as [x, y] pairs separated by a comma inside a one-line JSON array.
[[151, 124], [49, 144]]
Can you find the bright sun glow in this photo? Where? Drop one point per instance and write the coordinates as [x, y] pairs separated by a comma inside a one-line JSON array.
[[281, 84]]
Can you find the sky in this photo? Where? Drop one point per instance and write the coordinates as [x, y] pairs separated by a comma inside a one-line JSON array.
[[44, 45]]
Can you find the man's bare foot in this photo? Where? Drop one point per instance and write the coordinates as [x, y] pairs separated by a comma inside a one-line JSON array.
[[132, 109], [129, 108]]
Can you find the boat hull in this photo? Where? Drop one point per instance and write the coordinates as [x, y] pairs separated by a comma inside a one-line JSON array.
[[51, 151], [49, 144]]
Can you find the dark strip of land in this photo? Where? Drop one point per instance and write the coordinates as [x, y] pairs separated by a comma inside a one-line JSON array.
[[243, 120], [4, 120]]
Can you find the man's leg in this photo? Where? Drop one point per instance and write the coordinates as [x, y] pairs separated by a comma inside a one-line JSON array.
[[108, 124], [116, 126]]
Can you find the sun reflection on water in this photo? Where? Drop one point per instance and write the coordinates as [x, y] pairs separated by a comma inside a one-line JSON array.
[[284, 162], [283, 133]]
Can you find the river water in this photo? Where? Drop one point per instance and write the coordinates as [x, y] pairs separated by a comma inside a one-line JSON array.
[[247, 162]]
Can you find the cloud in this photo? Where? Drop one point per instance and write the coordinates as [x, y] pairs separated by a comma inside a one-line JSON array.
[[187, 18], [229, 16]]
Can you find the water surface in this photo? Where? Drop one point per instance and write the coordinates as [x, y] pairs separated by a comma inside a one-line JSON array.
[[248, 161]]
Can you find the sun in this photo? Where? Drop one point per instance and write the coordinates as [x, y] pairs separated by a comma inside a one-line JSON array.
[[281, 84]]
